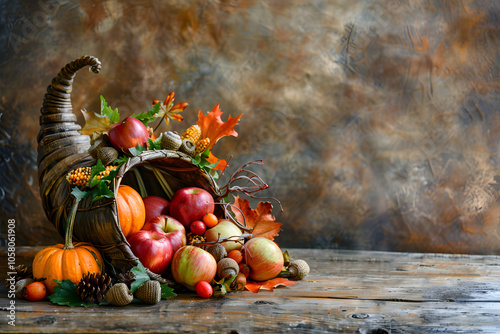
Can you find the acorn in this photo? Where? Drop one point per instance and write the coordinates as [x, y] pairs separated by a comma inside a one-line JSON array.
[[107, 155], [20, 285], [218, 252], [188, 147], [171, 141], [298, 269], [227, 268], [119, 295], [149, 292]]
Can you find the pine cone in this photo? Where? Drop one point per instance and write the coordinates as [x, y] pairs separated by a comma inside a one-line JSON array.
[[93, 287], [21, 272], [128, 278]]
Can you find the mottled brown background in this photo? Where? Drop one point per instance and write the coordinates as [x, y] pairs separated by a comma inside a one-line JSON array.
[[378, 121]]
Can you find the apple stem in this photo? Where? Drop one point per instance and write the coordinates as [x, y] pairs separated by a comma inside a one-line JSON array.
[[163, 183], [140, 183]]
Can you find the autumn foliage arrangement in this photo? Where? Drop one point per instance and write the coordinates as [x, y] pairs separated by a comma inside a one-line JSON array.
[[197, 243]]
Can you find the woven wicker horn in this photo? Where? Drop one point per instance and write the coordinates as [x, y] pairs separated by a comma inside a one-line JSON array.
[[62, 148]]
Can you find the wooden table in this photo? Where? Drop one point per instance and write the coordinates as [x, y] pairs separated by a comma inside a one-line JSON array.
[[346, 292]]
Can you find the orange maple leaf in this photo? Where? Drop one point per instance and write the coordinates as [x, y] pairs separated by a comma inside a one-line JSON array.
[[212, 126], [213, 159], [260, 220], [268, 285]]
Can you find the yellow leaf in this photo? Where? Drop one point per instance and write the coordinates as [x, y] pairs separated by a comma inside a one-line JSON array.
[[95, 122]]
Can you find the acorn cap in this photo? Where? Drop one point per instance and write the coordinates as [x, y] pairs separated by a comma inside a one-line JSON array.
[[96, 145], [188, 147], [149, 292], [227, 267], [298, 269], [119, 295], [107, 155], [171, 141]]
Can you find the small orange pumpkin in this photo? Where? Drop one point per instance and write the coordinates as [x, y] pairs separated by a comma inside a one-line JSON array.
[[131, 211], [68, 261]]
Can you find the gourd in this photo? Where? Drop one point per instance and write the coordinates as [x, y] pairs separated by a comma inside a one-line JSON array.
[[131, 211], [69, 261]]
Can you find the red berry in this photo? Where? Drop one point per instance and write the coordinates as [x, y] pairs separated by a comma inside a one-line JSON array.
[[35, 291], [204, 289], [210, 220], [198, 227]]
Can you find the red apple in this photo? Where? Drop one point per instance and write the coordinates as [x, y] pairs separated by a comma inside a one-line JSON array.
[[264, 258], [155, 206], [153, 250], [190, 204], [172, 229], [127, 134], [225, 229], [192, 265]]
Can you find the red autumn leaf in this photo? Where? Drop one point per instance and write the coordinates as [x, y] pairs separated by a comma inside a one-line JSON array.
[[260, 219], [212, 126], [268, 285]]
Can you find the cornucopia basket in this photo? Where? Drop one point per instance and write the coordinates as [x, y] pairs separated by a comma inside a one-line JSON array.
[[61, 148]]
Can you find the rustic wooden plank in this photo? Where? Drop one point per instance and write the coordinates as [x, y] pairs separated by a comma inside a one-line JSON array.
[[346, 292]]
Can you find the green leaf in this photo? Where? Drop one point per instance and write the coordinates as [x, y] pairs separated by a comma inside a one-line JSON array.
[[65, 294], [167, 291], [156, 144], [111, 176], [141, 276], [102, 191], [120, 161], [113, 115], [99, 167], [135, 151], [79, 194], [150, 115], [196, 160]]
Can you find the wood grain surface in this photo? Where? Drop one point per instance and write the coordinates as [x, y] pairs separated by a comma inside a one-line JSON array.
[[346, 292]]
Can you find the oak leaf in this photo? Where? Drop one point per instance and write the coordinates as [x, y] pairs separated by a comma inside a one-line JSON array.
[[260, 219], [268, 285], [95, 123]]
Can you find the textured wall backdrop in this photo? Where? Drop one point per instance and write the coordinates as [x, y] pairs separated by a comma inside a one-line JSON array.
[[378, 121]]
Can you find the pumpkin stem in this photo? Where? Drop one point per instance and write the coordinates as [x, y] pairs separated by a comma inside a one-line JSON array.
[[68, 238]]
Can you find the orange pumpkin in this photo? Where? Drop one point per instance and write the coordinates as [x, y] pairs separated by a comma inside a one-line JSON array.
[[68, 261], [131, 211]]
